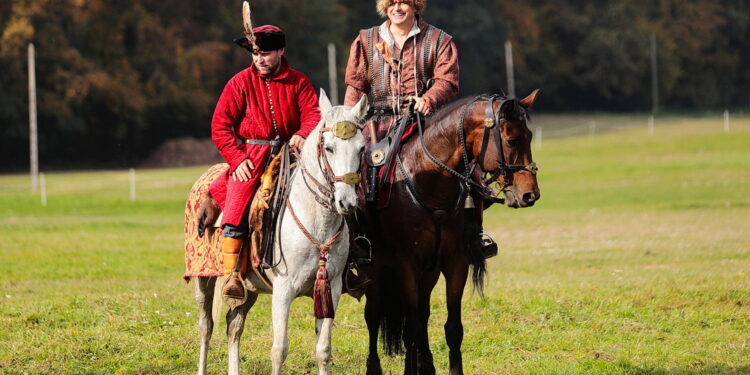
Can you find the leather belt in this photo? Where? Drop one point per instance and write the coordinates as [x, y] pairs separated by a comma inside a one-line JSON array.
[[382, 112], [263, 142]]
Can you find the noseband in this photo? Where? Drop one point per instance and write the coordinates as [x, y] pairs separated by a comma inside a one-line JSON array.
[[323, 193]]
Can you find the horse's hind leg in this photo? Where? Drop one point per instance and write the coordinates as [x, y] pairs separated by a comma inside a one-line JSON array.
[[425, 364], [373, 314], [204, 295], [323, 330], [235, 326], [455, 281]]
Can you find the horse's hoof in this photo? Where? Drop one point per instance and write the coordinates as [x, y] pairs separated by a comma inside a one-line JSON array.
[[373, 366]]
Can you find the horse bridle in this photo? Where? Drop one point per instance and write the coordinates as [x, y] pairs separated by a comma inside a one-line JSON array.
[[323, 193], [492, 123]]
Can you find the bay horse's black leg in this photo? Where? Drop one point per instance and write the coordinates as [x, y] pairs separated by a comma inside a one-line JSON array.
[[373, 314], [413, 327], [425, 365], [456, 274]]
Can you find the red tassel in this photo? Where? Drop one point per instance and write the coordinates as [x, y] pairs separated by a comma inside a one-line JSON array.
[[322, 300]]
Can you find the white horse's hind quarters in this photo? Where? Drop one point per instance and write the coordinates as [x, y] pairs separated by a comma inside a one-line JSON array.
[[312, 235]]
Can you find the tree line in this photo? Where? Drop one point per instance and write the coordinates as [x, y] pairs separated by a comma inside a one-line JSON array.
[[116, 79]]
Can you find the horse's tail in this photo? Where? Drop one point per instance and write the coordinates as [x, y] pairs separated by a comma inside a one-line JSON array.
[[472, 229], [393, 318]]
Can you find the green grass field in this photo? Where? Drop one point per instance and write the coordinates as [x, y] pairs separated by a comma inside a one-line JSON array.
[[635, 261]]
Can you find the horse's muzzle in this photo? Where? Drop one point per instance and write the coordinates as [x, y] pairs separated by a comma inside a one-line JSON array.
[[527, 199]]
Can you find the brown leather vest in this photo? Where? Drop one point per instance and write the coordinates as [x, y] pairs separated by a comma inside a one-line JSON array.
[[427, 43]]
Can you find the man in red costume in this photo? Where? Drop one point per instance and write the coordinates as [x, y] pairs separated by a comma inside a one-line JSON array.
[[260, 107]]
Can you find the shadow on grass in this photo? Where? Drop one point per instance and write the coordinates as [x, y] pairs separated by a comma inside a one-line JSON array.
[[709, 369]]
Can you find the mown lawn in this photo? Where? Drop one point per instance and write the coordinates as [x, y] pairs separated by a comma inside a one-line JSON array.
[[635, 261]]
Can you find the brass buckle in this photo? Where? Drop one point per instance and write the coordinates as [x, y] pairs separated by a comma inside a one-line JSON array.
[[350, 178]]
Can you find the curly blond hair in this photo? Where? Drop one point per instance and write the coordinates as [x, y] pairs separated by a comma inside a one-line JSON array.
[[382, 6]]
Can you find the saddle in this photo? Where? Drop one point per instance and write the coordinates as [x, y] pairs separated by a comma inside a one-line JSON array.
[[381, 157], [264, 209]]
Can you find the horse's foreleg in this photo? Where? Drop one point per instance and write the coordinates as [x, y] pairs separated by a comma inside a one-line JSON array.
[[204, 295], [455, 281], [373, 314], [425, 364], [323, 329], [281, 301], [235, 326]]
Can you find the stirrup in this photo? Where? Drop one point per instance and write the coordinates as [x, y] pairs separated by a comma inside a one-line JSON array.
[[232, 300], [363, 243], [487, 245]]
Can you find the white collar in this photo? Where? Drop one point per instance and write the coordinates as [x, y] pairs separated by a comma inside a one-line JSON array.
[[385, 33]]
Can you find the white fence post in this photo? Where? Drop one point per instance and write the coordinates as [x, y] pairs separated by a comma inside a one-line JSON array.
[[132, 184], [651, 125], [43, 186], [33, 132], [332, 77], [726, 121], [538, 136]]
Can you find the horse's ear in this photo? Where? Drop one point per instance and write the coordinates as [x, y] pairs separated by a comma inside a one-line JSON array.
[[360, 109], [507, 108], [528, 101], [324, 103]]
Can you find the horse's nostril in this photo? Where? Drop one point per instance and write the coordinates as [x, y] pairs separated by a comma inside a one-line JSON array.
[[529, 197]]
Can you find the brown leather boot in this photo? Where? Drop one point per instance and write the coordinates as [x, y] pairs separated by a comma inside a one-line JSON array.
[[356, 282], [233, 288]]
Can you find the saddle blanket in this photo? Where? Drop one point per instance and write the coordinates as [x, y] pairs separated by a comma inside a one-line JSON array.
[[202, 254]]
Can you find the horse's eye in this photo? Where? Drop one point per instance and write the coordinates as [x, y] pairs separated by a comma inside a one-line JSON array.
[[329, 149]]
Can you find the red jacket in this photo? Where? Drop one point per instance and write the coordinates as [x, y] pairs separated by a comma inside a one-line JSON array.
[[245, 110]]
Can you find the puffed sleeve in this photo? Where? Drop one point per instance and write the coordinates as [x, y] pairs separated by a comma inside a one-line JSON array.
[[229, 110], [356, 72], [309, 110], [445, 76]]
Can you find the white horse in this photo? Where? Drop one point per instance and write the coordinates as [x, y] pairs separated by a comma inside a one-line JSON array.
[[339, 140]]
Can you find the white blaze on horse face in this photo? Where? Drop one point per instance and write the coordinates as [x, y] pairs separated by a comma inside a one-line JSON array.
[[344, 157]]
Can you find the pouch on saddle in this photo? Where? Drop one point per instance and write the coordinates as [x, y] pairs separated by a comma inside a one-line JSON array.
[[380, 156]]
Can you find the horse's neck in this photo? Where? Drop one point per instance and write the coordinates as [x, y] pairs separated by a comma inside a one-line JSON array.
[[441, 138], [446, 149]]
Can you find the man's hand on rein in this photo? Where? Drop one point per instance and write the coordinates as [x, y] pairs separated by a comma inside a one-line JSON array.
[[297, 141], [421, 105]]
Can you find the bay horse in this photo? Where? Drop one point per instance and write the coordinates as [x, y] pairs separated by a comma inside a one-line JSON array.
[[312, 242], [418, 235]]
